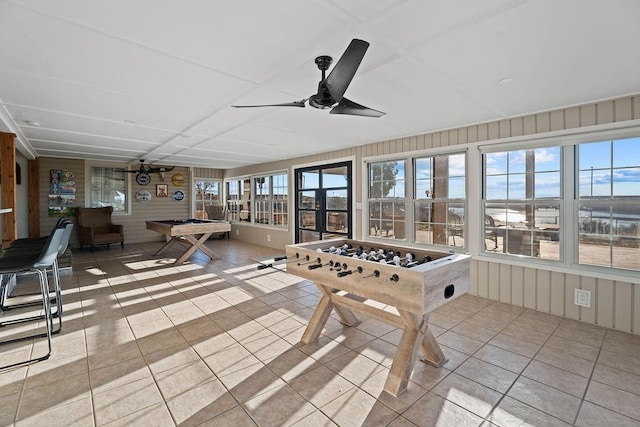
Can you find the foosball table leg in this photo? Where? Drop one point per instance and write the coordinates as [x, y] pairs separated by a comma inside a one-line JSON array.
[[322, 313], [318, 320], [416, 335], [431, 351], [347, 317]]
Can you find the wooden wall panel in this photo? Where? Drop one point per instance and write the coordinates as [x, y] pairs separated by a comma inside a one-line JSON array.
[[134, 223], [483, 279], [530, 288], [505, 283], [517, 126], [589, 314], [623, 109], [543, 122], [588, 115], [572, 118], [571, 310], [543, 291], [623, 313], [529, 125], [556, 120], [473, 277], [202, 173], [494, 281], [605, 112], [33, 197], [557, 293], [8, 193], [517, 285], [604, 303]]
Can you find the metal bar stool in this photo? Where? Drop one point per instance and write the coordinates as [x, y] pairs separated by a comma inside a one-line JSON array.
[[36, 264], [13, 251]]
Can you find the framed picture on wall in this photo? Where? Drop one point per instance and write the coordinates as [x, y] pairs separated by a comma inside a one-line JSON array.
[[162, 190]]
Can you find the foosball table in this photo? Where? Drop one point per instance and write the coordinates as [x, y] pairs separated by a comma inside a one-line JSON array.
[[411, 283]]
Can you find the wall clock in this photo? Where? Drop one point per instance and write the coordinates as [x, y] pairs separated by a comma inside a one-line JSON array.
[[143, 178], [177, 180]]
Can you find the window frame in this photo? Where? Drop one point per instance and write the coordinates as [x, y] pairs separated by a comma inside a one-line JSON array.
[[511, 236], [453, 225], [409, 199], [88, 167], [252, 210], [568, 140], [611, 201], [383, 226], [195, 202], [235, 207]]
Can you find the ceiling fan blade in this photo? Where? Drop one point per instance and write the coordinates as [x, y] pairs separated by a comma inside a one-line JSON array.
[[346, 106], [285, 104], [342, 74]]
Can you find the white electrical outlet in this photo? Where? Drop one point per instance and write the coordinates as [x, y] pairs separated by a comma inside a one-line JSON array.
[[268, 237], [582, 298], [237, 231]]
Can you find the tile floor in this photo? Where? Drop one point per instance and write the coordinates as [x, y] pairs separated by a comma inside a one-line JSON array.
[[217, 343]]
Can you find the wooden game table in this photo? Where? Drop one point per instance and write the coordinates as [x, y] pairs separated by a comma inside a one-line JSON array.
[[193, 231]]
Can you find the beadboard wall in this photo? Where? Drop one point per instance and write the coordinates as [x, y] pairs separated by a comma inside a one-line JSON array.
[[134, 223], [614, 303]]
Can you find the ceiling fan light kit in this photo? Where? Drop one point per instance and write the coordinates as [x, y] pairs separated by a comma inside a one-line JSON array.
[[331, 88]]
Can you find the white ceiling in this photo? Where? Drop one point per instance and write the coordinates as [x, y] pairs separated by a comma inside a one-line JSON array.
[[125, 80]]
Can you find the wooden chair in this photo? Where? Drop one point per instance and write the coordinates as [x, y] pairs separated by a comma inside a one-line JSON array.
[[456, 227], [490, 232], [217, 213], [95, 227]]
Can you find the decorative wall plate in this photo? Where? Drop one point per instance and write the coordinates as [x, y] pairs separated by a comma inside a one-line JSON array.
[[177, 180], [143, 196], [178, 196]]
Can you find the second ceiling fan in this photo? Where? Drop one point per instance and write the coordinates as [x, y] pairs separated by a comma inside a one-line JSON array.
[[331, 88]]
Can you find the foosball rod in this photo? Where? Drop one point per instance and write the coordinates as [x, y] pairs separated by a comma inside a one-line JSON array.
[[263, 265]]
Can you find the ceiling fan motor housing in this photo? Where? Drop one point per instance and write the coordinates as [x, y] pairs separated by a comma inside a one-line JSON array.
[[322, 99]]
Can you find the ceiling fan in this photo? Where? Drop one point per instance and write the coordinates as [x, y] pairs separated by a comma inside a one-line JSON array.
[[332, 88], [142, 173]]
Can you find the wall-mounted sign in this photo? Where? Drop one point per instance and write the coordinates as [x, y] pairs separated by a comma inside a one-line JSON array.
[[143, 196], [177, 180], [62, 193], [143, 178], [178, 196]]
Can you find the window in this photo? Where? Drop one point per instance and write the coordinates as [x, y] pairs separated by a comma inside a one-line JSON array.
[[239, 199], [387, 203], [207, 193], [109, 187], [259, 199], [522, 202], [262, 199], [271, 200], [280, 200], [608, 208], [439, 200]]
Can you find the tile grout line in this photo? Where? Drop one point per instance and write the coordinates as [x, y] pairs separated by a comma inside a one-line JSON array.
[[519, 375]]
